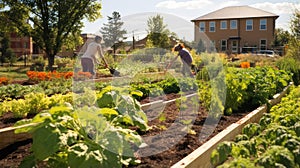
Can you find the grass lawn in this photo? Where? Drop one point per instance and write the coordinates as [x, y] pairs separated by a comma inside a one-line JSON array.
[[14, 73]]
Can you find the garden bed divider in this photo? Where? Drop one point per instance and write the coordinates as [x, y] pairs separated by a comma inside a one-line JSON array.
[[200, 158], [160, 103], [8, 135]]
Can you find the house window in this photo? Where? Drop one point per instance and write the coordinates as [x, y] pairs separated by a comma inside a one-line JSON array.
[[212, 26], [202, 26], [249, 25], [223, 45], [233, 24], [224, 24], [263, 24], [263, 44]]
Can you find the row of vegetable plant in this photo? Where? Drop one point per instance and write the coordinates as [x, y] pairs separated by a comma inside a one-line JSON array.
[[169, 85], [63, 86], [249, 87], [32, 104], [17, 91], [273, 142], [246, 88]]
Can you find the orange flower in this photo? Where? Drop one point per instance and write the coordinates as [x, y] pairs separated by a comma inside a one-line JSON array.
[[68, 75], [82, 75], [245, 65], [3, 80], [41, 76]]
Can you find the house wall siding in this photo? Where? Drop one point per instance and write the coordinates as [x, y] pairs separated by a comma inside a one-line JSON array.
[[247, 38]]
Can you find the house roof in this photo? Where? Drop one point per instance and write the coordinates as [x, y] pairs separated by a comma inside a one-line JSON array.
[[235, 12]]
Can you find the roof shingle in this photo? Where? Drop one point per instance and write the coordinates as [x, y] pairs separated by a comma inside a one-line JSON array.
[[235, 12]]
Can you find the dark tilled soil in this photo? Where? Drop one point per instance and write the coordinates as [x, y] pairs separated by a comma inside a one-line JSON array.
[[167, 142]]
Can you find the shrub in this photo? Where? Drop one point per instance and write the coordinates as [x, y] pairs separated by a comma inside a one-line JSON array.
[[290, 65]]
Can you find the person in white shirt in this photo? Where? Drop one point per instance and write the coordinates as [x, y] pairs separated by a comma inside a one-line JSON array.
[[90, 57]]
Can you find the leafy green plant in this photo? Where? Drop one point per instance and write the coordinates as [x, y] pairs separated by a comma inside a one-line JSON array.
[[274, 142], [61, 140], [290, 65], [33, 103], [128, 108]]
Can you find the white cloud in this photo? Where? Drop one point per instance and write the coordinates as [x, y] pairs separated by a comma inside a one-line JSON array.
[[192, 4], [277, 8], [228, 3]]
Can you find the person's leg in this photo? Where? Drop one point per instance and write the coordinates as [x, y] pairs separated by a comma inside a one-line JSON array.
[[84, 65], [186, 70], [88, 66], [92, 69]]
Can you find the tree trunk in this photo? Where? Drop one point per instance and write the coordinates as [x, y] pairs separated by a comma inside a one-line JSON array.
[[50, 62]]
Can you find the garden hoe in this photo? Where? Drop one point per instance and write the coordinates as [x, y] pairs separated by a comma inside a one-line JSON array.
[[114, 72]]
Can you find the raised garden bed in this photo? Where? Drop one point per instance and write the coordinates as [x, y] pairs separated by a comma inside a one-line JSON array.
[[201, 156], [167, 158]]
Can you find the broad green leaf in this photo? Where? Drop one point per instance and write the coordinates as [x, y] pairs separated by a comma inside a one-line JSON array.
[[45, 142], [126, 119], [137, 93], [108, 112], [28, 161], [22, 122], [81, 156], [111, 159]]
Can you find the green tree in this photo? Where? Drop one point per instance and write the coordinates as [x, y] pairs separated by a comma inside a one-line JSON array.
[[158, 32], [5, 29], [50, 22], [112, 31], [10, 56], [294, 43], [295, 24], [4, 46], [282, 37], [74, 40]]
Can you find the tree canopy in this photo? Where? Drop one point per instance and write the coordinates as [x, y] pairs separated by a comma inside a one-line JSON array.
[[294, 42], [282, 37], [112, 31], [51, 22], [295, 24], [158, 34]]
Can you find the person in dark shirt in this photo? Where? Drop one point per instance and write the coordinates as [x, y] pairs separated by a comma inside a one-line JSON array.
[[186, 59]]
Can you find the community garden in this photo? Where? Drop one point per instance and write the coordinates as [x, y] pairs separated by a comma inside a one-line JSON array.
[[237, 110], [147, 117]]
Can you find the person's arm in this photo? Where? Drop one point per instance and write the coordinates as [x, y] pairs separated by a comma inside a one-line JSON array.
[[171, 62], [102, 56]]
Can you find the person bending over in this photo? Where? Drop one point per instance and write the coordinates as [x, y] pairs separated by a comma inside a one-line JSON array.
[[186, 59], [90, 57]]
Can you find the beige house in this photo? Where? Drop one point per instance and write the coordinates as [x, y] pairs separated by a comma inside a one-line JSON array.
[[236, 29]]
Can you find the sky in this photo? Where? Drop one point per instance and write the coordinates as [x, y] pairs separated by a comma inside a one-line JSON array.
[[178, 14]]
